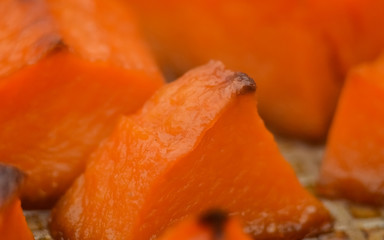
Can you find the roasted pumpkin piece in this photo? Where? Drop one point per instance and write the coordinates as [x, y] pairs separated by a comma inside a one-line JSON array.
[[63, 107], [197, 143], [27, 33], [211, 225], [12, 222], [275, 42], [354, 159], [54, 113]]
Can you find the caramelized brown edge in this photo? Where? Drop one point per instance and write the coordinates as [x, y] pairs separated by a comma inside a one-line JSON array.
[[11, 180], [243, 83], [215, 220]]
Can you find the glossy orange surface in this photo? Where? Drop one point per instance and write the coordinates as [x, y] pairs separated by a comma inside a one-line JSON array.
[[197, 143], [12, 221], [278, 43], [208, 226], [354, 161], [56, 111]]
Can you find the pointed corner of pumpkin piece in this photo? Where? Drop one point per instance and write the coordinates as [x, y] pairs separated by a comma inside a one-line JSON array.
[[243, 83]]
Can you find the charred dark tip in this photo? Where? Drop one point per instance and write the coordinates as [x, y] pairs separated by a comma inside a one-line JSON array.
[[215, 219], [11, 179], [244, 83]]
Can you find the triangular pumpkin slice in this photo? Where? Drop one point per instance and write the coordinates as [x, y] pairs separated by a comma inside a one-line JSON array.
[[197, 143], [12, 221], [354, 160], [55, 112], [210, 225]]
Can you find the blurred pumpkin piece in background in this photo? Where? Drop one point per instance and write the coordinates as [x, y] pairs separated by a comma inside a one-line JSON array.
[[278, 43], [299, 52], [353, 29], [353, 165]]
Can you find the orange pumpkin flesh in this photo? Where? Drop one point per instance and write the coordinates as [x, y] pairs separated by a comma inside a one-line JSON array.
[[275, 42], [212, 225], [56, 111], [12, 222], [354, 161], [62, 118], [197, 143]]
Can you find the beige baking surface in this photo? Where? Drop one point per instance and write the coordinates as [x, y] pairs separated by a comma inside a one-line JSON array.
[[351, 221]]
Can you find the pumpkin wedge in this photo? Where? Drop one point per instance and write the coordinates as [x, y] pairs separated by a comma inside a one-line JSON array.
[[12, 221], [197, 143], [54, 113], [211, 225], [354, 160], [275, 42]]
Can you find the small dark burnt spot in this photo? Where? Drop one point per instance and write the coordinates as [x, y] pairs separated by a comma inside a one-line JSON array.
[[244, 84], [10, 182], [216, 220], [54, 42]]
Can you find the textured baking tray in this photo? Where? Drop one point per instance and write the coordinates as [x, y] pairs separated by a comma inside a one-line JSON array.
[[352, 222]]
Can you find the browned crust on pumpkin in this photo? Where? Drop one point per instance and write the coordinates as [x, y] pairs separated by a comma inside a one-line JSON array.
[[215, 219], [243, 83], [11, 180]]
